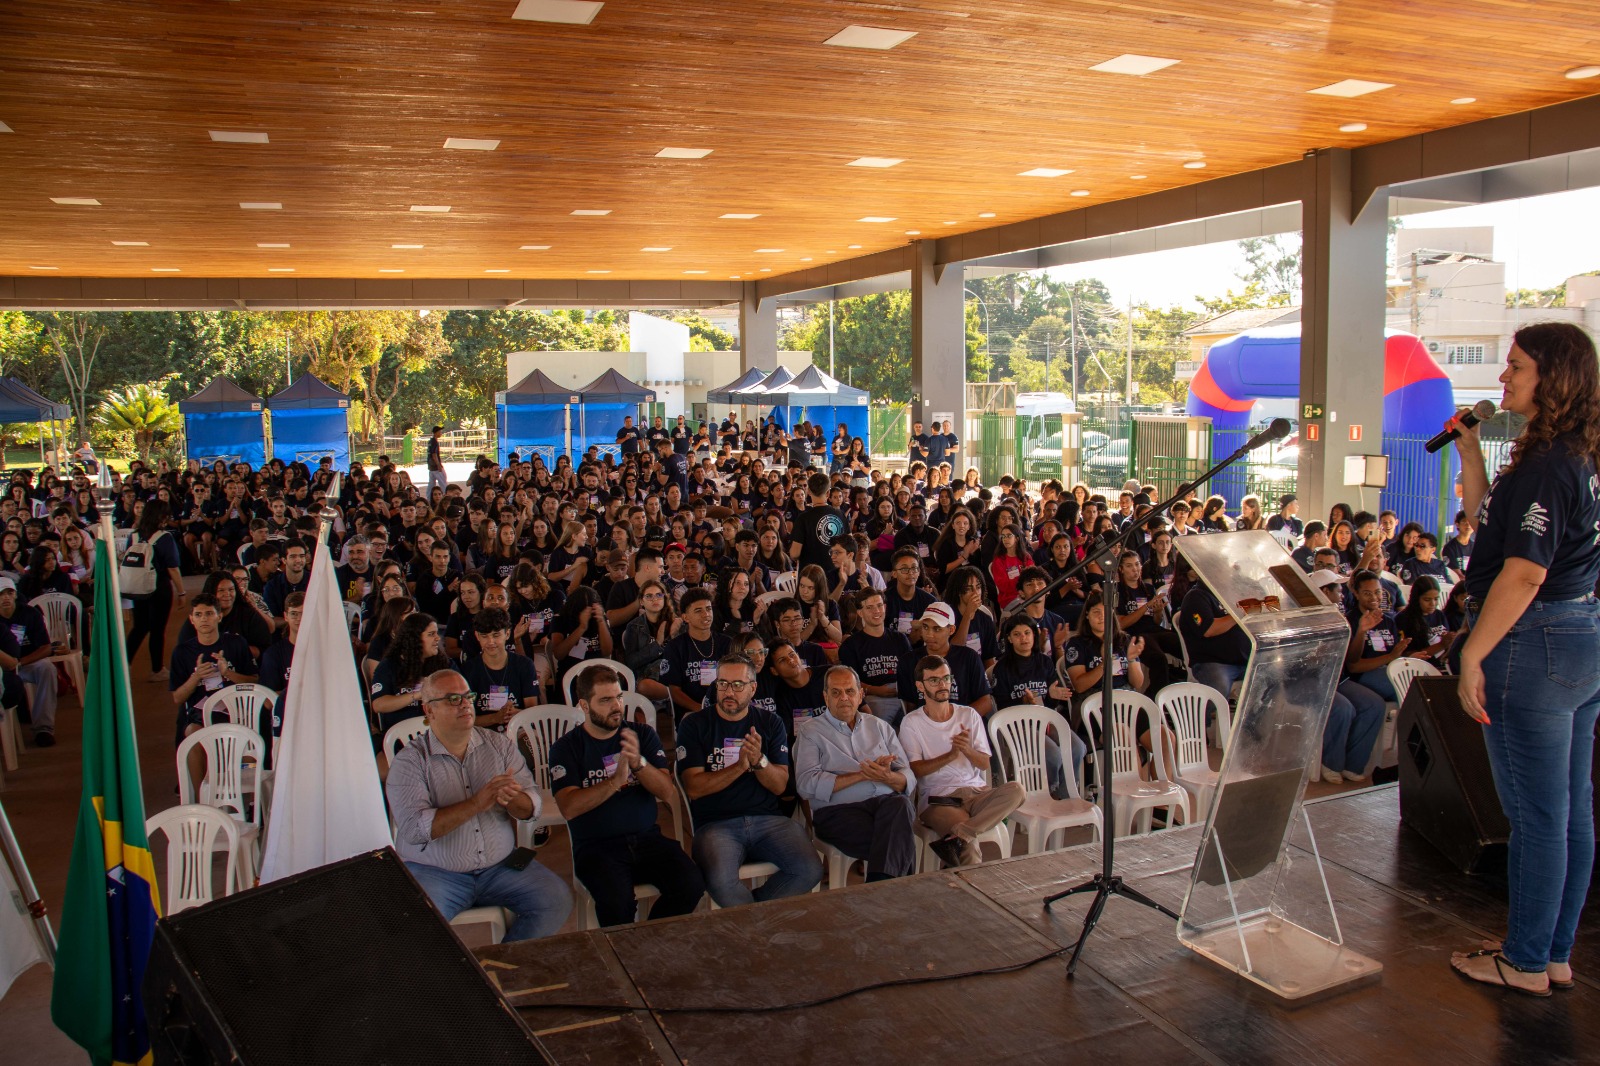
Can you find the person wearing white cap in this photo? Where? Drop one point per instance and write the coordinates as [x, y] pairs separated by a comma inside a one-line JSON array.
[[24, 648], [968, 683]]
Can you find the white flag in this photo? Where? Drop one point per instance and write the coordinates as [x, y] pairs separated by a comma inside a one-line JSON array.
[[19, 937], [327, 802]]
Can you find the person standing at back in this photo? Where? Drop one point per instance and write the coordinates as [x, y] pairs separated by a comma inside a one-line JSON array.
[[816, 526], [436, 474]]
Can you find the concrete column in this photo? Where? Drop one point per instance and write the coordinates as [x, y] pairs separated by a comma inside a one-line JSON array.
[[758, 331], [1341, 334], [939, 347]]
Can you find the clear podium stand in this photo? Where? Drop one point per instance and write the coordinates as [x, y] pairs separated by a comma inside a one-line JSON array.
[[1249, 907]]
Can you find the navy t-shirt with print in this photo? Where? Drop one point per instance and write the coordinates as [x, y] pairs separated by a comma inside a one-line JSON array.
[[1548, 512], [876, 660], [1086, 652], [690, 667], [706, 739], [504, 689], [580, 760]]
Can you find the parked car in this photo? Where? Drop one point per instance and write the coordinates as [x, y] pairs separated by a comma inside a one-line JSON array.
[[1109, 466], [1044, 460]]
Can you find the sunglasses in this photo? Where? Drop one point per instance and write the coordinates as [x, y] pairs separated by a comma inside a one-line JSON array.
[[1252, 606]]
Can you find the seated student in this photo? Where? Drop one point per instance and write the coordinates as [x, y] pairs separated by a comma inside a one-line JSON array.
[[1375, 639], [692, 655], [279, 656], [858, 781], [456, 792], [608, 775], [1024, 674], [437, 586], [948, 750], [1357, 714], [1458, 549], [1422, 562], [1288, 508], [504, 681], [1218, 648], [1316, 538], [733, 761], [200, 666], [789, 624], [1423, 622], [415, 652], [969, 684], [875, 653], [904, 598], [796, 687], [23, 650]]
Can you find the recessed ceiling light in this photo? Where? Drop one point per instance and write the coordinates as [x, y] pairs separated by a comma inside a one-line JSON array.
[[868, 37], [567, 12], [880, 161], [1352, 127], [431, 209], [695, 272], [1080, 192], [498, 270], [1133, 64], [280, 270], [390, 270], [1195, 164], [1137, 177], [853, 247], [768, 251], [165, 270], [655, 248], [261, 205], [766, 270], [1458, 101], [75, 201], [599, 271], [535, 248], [1579, 73], [471, 144], [683, 153], [407, 247], [1351, 87], [259, 245], [588, 212], [739, 215], [986, 214], [913, 233], [238, 137], [805, 259], [1043, 172], [131, 244], [832, 252], [44, 268], [876, 218], [733, 277]]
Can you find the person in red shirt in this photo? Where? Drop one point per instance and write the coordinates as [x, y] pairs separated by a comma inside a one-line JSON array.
[[1010, 559]]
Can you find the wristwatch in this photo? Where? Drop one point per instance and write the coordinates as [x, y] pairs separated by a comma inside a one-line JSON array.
[[762, 765]]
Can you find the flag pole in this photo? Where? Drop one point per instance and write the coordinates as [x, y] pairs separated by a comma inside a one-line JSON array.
[[30, 894], [328, 511], [108, 533]]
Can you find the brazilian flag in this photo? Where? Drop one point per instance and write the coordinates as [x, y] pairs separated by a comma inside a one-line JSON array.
[[109, 920]]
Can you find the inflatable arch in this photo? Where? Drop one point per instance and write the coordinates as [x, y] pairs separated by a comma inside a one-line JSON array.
[[1265, 364]]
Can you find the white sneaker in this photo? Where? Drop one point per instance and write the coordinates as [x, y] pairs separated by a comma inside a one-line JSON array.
[[1351, 775], [1331, 776]]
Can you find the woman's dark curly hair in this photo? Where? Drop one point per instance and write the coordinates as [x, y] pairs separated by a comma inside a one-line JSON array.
[[405, 653], [1568, 393]]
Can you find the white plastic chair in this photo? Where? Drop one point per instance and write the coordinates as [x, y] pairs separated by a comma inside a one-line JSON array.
[[245, 704], [638, 708], [233, 767], [539, 727], [192, 831], [785, 581], [1183, 707], [837, 862], [1135, 797], [496, 918], [402, 733], [1404, 670], [1401, 672], [352, 618], [63, 619], [1018, 736], [579, 667], [999, 836], [753, 872]]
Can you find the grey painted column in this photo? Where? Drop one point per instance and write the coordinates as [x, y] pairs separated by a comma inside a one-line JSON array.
[[758, 330], [1341, 334], [939, 347]]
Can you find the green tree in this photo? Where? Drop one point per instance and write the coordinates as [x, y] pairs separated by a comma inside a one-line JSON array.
[[141, 413], [872, 342], [704, 336], [75, 337]]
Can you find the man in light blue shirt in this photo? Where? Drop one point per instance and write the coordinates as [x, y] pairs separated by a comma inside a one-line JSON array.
[[852, 769]]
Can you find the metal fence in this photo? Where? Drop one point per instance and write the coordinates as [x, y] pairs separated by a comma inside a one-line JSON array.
[[891, 430]]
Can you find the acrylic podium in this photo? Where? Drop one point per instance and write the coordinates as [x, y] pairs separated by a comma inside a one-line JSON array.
[[1253, 906]]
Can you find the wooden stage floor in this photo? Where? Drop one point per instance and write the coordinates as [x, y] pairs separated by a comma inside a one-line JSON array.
[[695, 985]]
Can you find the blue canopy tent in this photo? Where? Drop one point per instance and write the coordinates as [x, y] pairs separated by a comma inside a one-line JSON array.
[[223, 421], [603, 404], [18, 403], [310, 420], [531, 417], [825, 401]]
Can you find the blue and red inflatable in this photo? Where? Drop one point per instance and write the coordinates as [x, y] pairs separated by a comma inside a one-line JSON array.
[[1265, 364]]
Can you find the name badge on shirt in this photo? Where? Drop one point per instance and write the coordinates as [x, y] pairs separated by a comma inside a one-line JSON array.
[[922, 549], [536, 623], [975, 642], [1379, 640], [497, 697], [903, 623], [730, 751], [708, 673], [609, 762]]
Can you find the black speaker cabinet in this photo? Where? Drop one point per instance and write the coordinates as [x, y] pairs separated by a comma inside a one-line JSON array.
[[1446, 787], [348, 963]]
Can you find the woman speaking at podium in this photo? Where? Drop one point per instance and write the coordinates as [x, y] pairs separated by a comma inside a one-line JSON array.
[[1530, 667]]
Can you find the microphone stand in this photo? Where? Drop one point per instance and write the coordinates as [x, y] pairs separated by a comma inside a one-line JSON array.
[[1107, 882]]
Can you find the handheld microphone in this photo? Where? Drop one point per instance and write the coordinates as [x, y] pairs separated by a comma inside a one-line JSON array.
[[1481, 411], [1278, 430]]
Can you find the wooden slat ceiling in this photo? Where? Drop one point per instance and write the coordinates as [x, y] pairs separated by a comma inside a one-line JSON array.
[[114, 101]]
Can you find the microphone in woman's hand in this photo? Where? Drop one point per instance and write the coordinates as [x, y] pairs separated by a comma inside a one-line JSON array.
[[1481, 411]]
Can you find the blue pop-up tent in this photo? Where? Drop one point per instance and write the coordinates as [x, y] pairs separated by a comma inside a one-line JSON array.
[[603, 404], [822, 400], [532, 418], [223, 421], [310, 419]]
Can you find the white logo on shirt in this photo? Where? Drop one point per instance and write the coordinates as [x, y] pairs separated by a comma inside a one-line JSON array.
[[1537, 520], [557, 772]]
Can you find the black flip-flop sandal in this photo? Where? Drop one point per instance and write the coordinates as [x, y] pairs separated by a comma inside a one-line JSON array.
[[1500, 964]]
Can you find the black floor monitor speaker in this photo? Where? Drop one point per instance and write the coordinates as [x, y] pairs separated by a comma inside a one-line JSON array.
[[348, 963], [1446, 787]]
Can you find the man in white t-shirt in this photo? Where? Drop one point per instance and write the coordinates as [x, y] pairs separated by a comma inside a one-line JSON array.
[[949, 754]]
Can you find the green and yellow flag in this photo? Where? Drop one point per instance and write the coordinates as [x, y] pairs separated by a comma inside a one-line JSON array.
[[112, 903]]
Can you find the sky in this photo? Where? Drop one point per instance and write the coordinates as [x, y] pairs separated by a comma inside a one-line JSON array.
[[1543, 240]]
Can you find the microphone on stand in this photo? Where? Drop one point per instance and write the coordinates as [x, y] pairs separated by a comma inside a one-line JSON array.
[[1277, 430], [1481, 411]]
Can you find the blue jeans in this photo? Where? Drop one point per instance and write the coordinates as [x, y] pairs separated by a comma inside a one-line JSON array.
[[1378, 681], [1542, 683], [1354, 723], [538, 900], [1055, 770], [722, 847], [1219, 676]]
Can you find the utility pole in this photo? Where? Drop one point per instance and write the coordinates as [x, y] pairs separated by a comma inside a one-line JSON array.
[[830, 338], [1047, 362], [1416, 296], [1127, 392], [1072, 341], [288, 371]]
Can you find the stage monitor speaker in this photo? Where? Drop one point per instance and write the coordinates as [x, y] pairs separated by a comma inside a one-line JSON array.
[[1447, 790], [347, 963]]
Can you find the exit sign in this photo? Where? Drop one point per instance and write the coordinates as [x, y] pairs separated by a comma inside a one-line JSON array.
[[1311, 410]]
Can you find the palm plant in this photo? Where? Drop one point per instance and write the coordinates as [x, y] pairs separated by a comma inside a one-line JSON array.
[[141, 412]]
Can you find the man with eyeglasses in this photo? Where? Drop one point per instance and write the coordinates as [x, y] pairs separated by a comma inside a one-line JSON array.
[[607, 775], [456, 792], [858, 780], [733, 761], [876, 653], [949, 753], [789, 618], [904, 600]]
